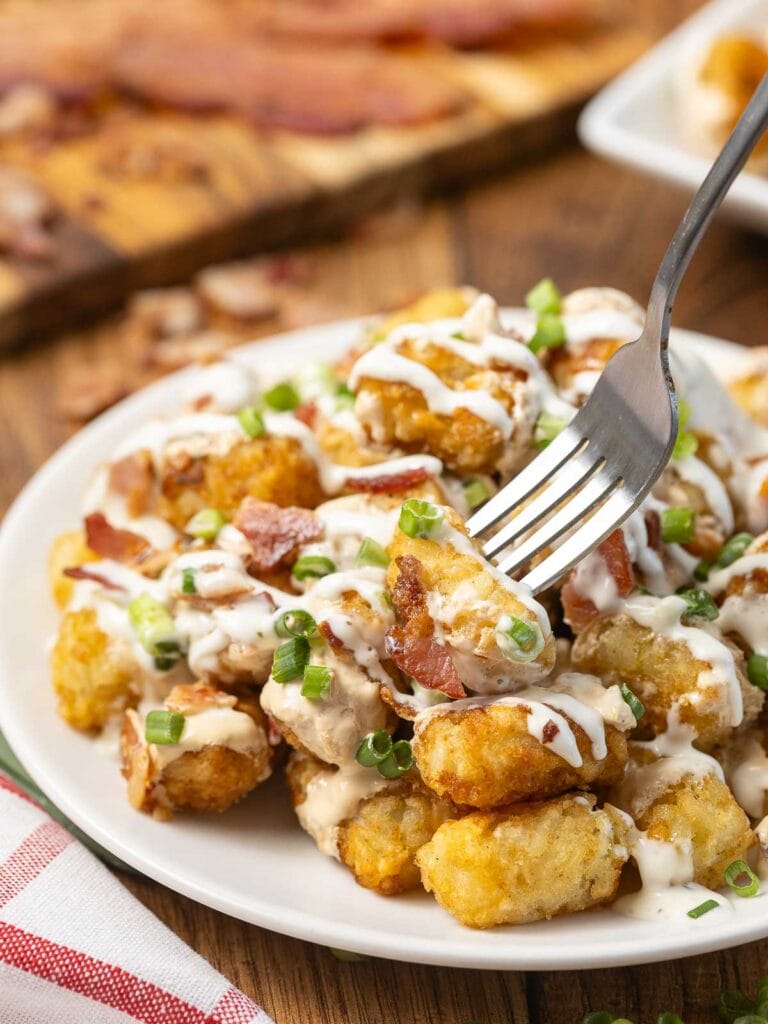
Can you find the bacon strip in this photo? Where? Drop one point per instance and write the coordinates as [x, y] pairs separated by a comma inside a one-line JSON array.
[[580, 610], [109, 542], [132, 477], [274, 533], [388, 483], [77, 572]]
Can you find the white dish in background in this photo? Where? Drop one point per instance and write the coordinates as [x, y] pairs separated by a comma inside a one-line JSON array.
[[635, 119], [254, 862]]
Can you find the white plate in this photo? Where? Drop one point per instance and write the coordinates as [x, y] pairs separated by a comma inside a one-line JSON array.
[[254, 862], [634, 119]]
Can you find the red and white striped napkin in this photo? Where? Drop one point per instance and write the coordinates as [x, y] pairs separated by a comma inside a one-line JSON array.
[[77, 948]]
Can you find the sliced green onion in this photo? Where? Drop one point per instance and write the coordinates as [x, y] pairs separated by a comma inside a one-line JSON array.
[[733, 549], [550, 333], [686, 445], [205, 524], [251, 421], [290, 660], [701, 572], [700, 604], [547, 428], [164, 727], [374, 748], [740, 877], [314, 566], [459, 335], [154, 627], [598, 1017], [420, 518], [636, 706], [188, 585], [475, 492], [317, 682], [519, 640], [346, 956], [282, 397], [544, 297], [703, 908], [733, 1004], [757, 671], [397, 762], [678, 525], [371, 552], [684, 411], [295, 623]]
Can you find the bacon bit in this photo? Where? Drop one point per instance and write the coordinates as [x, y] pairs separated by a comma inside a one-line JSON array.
[[307, 413], [425, 660], [550, 730], [333, 641], [191, 698], [273, 532], [388, 483], [109, 542], [579, 610], [77, 572], [133, 477], [289, 268], [653, 528]]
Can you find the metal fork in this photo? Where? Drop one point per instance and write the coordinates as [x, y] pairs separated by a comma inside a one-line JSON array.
[[602, 465]]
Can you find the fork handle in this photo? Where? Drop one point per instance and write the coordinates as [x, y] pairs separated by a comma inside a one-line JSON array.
[[743, 139]]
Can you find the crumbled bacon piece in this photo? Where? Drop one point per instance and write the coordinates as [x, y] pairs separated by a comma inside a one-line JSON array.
[[132, 477], [191, 698], [79, 572], [110, 542], [388, 483], [273, 532], [550, 730], [580, 610], [333, 641], [307, 413], [653, 529]]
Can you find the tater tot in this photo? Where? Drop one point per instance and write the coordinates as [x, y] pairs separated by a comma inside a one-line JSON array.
[[526, 863], [269, 468], [93, 676], [665, 675]]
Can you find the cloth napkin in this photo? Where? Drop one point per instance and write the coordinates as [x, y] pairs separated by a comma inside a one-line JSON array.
[[77, 948]]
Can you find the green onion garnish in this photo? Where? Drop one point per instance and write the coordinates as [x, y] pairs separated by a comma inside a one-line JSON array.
[[317, 682], [188, 585], [397, 762], [205, 524], [757, 671], [251, 421], [636, 706], [700, 604], [740, 877], [678, 525], [519, 640], [733, 549], [686, 445], [163, 727], [290, 660], [371, 552], [547, 428], [314, 566], [544, 297], [475, 492], [703, 908], [550, 333], [420, 518], [701, 572], [374, 748], [282, 397], [296, 622], [155, 628]]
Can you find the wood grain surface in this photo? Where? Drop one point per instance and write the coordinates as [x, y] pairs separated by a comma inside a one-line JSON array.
[[583, 222]]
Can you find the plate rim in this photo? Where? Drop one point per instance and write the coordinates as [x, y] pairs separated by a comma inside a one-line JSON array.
[[468, 951]]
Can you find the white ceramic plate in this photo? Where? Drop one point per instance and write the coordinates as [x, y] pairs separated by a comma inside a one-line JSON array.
[[254, 862], [634, 119]]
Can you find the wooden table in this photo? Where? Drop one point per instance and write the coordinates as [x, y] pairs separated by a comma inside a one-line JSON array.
[[582, 221]]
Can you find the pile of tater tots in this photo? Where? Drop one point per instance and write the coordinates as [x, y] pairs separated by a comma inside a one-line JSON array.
[[277, 579]]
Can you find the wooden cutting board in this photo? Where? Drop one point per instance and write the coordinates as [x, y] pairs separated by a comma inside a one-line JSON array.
[[150, 197]]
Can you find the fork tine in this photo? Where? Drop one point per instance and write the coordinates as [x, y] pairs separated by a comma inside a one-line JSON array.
[[532, 477], [570, 477], [598, 488], [593, 532]]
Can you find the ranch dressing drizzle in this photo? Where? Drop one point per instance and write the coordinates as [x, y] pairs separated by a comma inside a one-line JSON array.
[[215, 726], [695, 471], [333, 797], [748, 776]]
